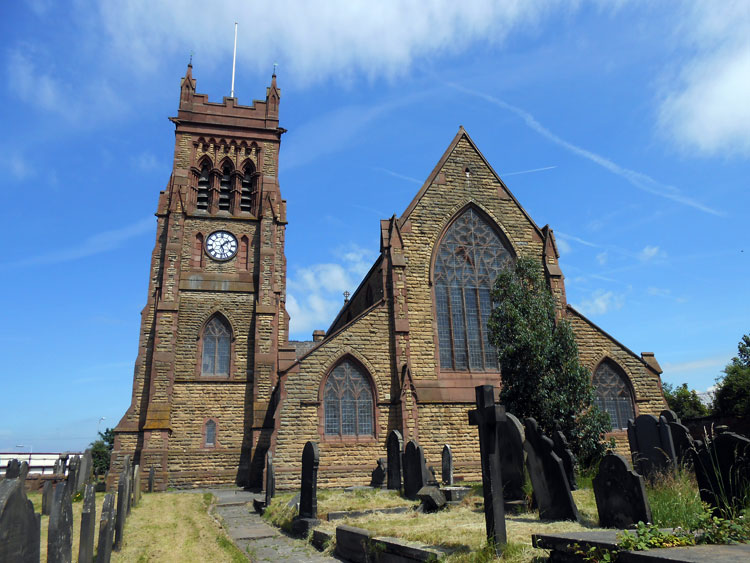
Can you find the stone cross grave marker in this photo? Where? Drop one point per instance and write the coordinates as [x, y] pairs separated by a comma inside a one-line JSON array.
[[416, 474], [60, 531], [548, 478], [512, 463], [106, 530], [308, 504], [488, 416], [562, 449], [19, 525], [722, 469], [620, 494], [446, 469], [47, 490], [394, 448], [151, 477], [88, 525], [651, 445], [379, 474]]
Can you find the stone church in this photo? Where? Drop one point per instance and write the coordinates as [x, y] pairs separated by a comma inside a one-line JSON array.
[[217, 382]]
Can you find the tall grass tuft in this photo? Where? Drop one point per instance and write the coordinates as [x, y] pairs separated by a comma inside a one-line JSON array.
[[674, 499]]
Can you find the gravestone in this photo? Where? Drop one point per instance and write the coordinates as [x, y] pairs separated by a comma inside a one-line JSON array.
[[416, 474], [308, 504], [106, 530], [551, 488], [60, 531], [23, 471], [394, 447], [379, 474], [446, 469], [47, 490], [722, 469], [512, 464], [651, 445], [432, 498], [136, 485], [270, 486], [85, 469], [488, 417], [683, 443], [151, 477], [72, 480], [88, 525], [669, 415], [19, 525], [128, 468], [13, 469], [620, 494], [123, 500], [562, 449]]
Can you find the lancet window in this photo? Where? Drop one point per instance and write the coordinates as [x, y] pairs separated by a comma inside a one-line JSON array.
[[248, 188], [348, 402], [613, 394], [225, 189], [216, 348], [204, 188]]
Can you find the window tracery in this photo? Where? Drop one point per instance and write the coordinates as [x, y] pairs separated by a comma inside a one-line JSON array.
[[469, 258], [348, 402], [613, 394], [216, 348]]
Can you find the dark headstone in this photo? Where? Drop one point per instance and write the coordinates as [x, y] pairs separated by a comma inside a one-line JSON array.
[[722, 469], [106, 530], [270, 478], [416, 474], [394, 447], [512, 463], [683, 443], [24, 471], [88, 525], [432, 498], [488, 417], [620, 494], [19, 525], [547, 473], [446, 469], [562, 449], [669, 415], [151, 478], [136, 485], [47, 490], [122, 508], [13, 469], [432, 480], [85, 469], [379, 474], [651, 445], [73, 473], [455, 494], [308, 505], [60, 531]]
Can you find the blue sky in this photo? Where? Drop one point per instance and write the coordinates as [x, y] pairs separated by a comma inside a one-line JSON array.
[[623, 125]]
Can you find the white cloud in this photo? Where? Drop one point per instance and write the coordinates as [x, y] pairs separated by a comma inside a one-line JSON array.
[[650, 253], [601, 302], [563, 246], [713, 364], [145, 162], [602, 258], [659, 291], [312, 40], [637, 179], [705, 108], [95, 244], [17, 165], [315, 293]]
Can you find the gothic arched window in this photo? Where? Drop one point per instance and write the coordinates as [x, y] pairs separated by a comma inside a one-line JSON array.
[[204, 187], [225, 189], [469, 258], [347, 401], [248, 188], [217, 344], [613, 393], [209, 435]]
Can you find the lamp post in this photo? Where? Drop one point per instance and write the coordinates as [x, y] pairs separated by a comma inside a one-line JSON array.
[[98, 425], [31, 450]]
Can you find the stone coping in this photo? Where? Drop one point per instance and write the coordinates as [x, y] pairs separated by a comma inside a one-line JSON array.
[[339, 515], [560, 544]]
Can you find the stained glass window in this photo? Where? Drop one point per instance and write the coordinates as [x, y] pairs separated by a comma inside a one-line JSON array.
[[210, 434], [216, 345], [612, 394], [469, 259], [348, 401]]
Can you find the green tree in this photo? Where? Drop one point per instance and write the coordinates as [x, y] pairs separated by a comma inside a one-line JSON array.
[[101, 450], [684, 402], [732, 396], [538, 356]]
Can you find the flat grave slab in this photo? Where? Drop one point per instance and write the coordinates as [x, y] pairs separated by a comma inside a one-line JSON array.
[[739, 553]]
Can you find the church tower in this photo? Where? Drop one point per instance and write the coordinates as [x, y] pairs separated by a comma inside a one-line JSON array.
[[214, 329]]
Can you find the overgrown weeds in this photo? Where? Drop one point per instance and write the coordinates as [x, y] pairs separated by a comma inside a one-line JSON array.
[[674, 499]]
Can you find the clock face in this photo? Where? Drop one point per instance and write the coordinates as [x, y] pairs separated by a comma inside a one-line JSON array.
[[221, 245]]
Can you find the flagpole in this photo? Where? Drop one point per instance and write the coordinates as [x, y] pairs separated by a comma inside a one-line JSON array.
[[234, 59]]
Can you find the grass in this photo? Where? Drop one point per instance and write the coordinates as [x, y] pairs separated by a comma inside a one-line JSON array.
[[163, 527], [674, 499]]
